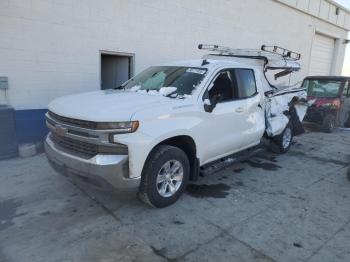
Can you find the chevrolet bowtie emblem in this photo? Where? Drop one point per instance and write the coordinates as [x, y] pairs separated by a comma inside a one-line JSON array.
[[60, 130]]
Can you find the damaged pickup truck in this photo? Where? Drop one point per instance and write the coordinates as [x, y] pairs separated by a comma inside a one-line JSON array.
[[160, 129]]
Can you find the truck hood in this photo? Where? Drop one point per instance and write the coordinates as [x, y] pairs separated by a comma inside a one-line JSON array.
[[105, 106]]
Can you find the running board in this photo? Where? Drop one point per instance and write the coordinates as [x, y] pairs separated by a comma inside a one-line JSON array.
[[228, 161]]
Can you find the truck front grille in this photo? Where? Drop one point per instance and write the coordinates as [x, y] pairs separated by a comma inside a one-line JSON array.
[[75, 146], [86, 149]]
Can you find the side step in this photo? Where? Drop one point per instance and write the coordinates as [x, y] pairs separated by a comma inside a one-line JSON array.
[[225, 162]]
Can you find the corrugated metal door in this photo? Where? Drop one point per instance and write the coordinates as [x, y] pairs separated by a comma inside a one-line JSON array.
[[322, 55], [115, 70]]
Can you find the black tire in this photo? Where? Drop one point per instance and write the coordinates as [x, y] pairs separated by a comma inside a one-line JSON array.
[[347, 123], [277, 144], [148, 191], [328, 123]]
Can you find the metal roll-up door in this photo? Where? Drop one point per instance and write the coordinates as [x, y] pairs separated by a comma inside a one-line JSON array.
[[322, 55]]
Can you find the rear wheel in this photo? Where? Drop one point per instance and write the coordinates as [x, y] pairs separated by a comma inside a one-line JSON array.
[[280, 144], [347, 123], [328, 123], [164, 177]]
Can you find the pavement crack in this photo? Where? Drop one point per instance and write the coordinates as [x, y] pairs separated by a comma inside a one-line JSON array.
[[326, 177], [99, 203], [160, 253], [181, 257], [329, 239], [257, 253], [322, 160]]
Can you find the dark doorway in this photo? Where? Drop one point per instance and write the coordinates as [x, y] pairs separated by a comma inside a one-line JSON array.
[[115, 70]]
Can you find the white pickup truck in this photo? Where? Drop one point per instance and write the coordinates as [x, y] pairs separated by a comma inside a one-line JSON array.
[[164, 126]]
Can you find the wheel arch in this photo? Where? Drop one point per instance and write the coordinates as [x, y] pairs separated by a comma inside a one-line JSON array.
[[186, 144]]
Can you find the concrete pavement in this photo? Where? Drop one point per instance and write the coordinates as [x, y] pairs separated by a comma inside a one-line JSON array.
[[292, 207]]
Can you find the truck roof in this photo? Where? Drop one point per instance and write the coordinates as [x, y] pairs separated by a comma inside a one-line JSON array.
[[212, 63], [335, 78]]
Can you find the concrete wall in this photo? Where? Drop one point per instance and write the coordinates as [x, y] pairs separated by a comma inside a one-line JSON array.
[[51, 48], [327, 10]]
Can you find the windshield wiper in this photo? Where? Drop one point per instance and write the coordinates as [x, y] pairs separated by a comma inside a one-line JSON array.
[[123, 85], [172, 93], [119, 87]]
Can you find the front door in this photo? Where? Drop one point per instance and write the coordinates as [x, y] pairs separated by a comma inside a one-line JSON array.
[[237, 121]]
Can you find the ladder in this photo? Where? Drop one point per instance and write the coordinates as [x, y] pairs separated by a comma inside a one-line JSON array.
[[274, 52]]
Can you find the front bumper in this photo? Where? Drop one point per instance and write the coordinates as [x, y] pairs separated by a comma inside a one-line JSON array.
[[318, 114], [315, 115], [110, 172]]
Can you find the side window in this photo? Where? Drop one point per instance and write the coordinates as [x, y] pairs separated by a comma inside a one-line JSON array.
[[232, 84], [346, 89], [222, 89], [246, 83]]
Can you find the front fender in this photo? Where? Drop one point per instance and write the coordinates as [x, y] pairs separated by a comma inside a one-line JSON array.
[[154, 131]]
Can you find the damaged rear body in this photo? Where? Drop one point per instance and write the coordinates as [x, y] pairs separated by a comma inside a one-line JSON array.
[[282, 107]]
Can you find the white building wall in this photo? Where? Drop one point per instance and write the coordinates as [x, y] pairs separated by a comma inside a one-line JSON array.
[[50, 48]]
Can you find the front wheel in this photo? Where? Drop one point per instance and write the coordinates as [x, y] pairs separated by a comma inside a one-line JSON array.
[[328, 124], [280, 144], [164, 177]]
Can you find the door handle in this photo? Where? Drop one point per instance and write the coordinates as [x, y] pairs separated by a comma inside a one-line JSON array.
[[239, 109]]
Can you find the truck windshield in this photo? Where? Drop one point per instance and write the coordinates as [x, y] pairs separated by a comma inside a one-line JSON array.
[[182, 80], [322, 88]]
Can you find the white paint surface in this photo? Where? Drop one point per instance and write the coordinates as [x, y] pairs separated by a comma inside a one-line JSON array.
[[52, 48], [232, 126]]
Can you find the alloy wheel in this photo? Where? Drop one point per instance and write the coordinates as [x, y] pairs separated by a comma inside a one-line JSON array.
[[169, 178]]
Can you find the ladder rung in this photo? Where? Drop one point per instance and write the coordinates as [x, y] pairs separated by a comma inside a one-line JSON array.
[[281, 51], [265, 51]]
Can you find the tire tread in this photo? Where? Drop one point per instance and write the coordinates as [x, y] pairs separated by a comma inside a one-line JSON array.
[[151, 160]]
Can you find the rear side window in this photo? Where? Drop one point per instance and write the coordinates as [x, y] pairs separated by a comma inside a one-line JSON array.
[[246, 84], [346, 89]]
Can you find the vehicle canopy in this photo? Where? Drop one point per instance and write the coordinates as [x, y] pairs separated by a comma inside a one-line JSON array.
[[275, 59]]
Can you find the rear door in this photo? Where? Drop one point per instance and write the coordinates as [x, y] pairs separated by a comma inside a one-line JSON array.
[[248, 101]]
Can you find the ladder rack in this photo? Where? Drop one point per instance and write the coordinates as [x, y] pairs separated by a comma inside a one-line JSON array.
[[282, 51], [265, 52]]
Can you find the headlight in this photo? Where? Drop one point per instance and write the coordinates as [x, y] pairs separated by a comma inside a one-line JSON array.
[[119, 127], [327, 105], [334, 104]]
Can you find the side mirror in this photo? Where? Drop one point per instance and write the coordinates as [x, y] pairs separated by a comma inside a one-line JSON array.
[[209, 105]]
